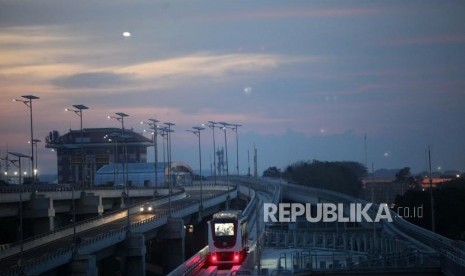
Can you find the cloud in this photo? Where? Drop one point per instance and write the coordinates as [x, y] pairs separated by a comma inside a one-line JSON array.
[[211, 65], [92, 80]]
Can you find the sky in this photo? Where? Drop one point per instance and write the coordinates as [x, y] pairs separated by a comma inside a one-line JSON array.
[[377, 82]]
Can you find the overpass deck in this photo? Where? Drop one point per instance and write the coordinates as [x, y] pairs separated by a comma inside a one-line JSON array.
[[46, 256]]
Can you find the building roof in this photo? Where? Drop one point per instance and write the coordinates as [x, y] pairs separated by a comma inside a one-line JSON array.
[[132, 168], [144, 168], [95, 136]]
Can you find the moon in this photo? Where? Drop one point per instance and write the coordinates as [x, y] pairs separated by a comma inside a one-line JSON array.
[[247, 90], [126, 34]]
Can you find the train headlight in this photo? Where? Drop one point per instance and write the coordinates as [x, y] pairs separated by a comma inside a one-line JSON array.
[[150, 208], [141, 209], [237, 256], [213, 258]]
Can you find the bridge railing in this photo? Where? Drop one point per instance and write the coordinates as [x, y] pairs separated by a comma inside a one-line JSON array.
[[272, 188], [208, 201], [31, 188]]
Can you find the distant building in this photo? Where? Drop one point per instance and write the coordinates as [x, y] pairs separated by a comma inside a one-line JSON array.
[[143, 174], [435, 181], [382, 190], [80, 154]]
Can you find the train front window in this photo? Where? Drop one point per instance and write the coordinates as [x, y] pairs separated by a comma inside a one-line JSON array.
[[224, 229]]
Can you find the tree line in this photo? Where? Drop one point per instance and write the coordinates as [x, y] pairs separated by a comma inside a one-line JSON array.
[[340, 176]]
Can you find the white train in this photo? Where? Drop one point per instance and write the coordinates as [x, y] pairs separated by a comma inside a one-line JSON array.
[[227, 238]]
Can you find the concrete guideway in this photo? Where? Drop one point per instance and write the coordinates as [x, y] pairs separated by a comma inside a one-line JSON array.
[[257, 192]]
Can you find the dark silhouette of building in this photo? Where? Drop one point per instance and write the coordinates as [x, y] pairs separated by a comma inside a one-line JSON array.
[[81, 153]]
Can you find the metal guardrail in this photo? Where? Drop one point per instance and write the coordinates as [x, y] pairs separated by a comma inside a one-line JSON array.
[[193, 265], [308, 260], [30, 188]]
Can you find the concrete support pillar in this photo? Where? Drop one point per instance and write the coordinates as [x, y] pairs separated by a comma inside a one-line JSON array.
[[296, 239], [173, 236], [89, 203], [83, 265], [134, 254], [41, 212], [344, 241], [365, 243], [42, 225]]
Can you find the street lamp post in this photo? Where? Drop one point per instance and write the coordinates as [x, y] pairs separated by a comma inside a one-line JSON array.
[[19, 156], [34, 142], [433, 224], [168, 147], [234, 127], [126, 181], [227, 162], [109, 138], [124, 137], [28, 103], [120, 118], [153, 125], [155, 137], [212, 125], [197, 131], [78, 110], [163, 135], [170, 186]]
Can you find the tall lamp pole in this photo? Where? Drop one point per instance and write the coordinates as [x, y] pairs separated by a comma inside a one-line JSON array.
[[153, 125], [212, 125], [120, 117], [78, 110], [155, 135], [124, 138], [170, 186], [433, 224], [28, 103], [227, 162], [197, 131], [234, 128], [19, 156], [164, 135], [34, 142]]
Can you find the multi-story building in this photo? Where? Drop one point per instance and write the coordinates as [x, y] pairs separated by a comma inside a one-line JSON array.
[[80, 154]]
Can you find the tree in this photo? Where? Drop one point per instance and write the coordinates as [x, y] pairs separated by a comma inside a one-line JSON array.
[[448, 208], [403, 174], [338, 176], [272, 172]]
